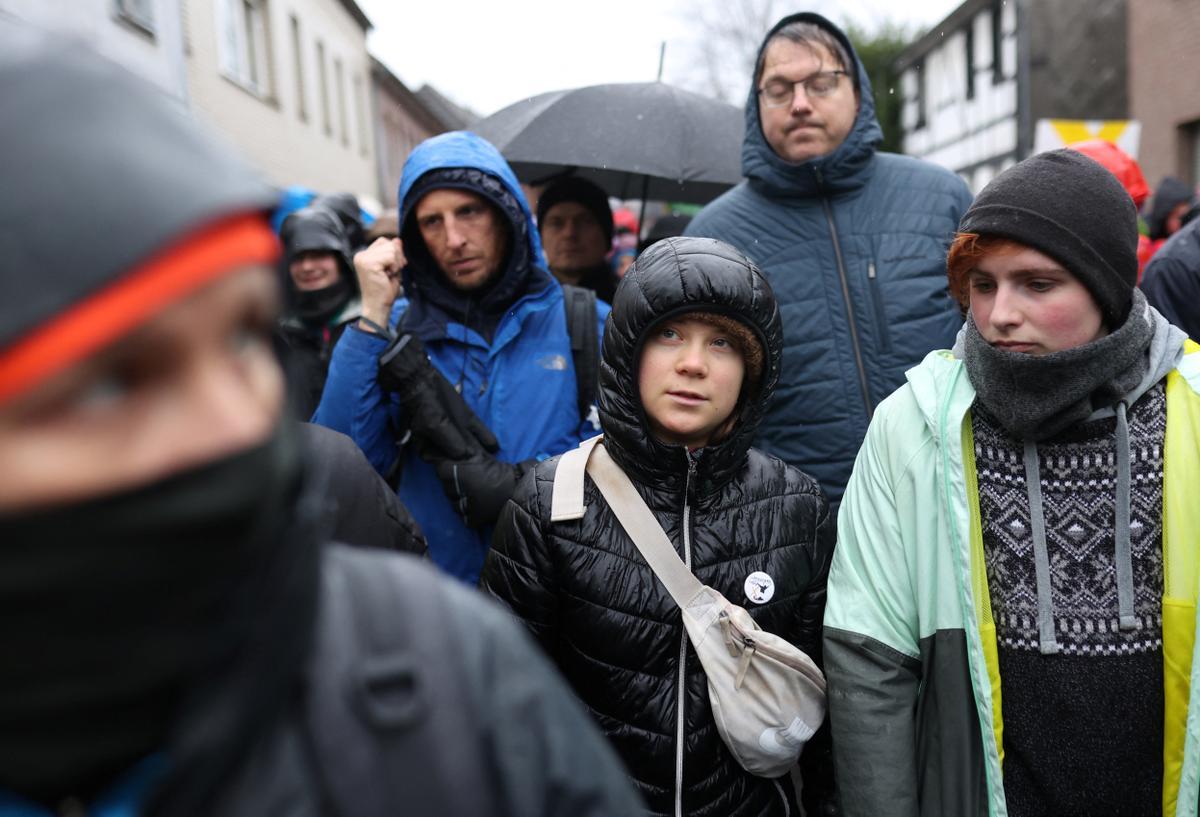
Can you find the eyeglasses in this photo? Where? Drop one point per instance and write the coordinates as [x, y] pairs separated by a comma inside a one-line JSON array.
[[780, 92]]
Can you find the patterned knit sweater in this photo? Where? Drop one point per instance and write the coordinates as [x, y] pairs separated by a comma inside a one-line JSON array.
[[1083, 729]]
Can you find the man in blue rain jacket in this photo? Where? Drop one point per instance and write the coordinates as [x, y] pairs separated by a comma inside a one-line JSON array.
[[481, 304], [853, 242]]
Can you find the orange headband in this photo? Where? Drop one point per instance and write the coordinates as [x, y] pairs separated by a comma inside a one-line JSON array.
[[105, 316]]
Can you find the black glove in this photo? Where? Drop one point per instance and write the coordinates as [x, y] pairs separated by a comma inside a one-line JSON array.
[[437, 414], [479, 487]]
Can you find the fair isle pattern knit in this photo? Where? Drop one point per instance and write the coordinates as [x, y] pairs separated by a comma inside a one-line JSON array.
[[1078, 476]]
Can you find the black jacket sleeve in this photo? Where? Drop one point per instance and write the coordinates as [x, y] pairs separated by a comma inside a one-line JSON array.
[[519, 571], [360, 508]]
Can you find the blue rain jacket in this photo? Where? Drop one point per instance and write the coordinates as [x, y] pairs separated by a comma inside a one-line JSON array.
[[521, 384], [854, 245]]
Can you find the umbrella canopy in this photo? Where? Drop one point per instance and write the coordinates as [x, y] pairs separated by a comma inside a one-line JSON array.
[[636, 140]]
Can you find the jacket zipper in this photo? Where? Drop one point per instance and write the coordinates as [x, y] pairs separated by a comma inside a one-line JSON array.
[[854, 342], [885, 335], [683, 641]]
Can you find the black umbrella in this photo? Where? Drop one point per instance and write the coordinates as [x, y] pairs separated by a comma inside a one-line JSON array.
[[644, 140]]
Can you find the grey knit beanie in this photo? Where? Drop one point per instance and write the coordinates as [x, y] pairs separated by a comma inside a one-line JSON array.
[[1071, 208]]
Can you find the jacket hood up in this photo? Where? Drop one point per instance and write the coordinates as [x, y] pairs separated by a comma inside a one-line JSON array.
[[673, 277], [461, 160], [101, 172], [846, 168], [1170, 194], [317, 229]]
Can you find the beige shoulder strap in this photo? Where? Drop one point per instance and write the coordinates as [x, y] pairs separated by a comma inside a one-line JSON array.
[[638, 521], [566, 501]]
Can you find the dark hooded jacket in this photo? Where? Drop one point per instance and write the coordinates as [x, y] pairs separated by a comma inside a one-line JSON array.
[[1171, 282], [588, 595], [1169, 195], [854, 245], [314, 321]]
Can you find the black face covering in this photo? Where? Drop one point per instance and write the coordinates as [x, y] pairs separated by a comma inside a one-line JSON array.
[[114, 611], [319, 306]]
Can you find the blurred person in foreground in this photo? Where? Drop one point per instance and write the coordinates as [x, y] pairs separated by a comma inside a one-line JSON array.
[[322, 300], [1012, 603], [481, 368], [176, 640], [852, 240], [576, 225]]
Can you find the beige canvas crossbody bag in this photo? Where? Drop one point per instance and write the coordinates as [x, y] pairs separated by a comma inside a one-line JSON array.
[[767, 696]]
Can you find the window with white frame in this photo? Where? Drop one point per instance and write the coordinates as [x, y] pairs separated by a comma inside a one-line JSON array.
[[243, 44], [138, 12]]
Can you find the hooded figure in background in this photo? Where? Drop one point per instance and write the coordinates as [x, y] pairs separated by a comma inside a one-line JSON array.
[[483, 330], [853, 242], [1164, 214], [679, 426], [322, 300], [177, 640]]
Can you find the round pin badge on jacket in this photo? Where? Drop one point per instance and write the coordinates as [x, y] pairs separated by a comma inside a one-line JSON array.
[[759, 587]]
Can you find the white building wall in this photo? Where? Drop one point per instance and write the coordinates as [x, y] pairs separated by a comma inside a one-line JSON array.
[[154, 52], [282, 127], [976, 137]]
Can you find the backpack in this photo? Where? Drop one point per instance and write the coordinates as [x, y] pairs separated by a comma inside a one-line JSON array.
[[580, 306], [384, 740]]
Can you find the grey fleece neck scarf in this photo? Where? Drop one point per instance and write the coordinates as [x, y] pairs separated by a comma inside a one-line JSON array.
[[1034, 398]]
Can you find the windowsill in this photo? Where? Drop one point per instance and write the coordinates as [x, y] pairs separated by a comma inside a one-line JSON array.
[[135, 25], [266, 99]]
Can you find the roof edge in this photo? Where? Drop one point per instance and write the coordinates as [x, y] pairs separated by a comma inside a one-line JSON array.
[[936, 34]]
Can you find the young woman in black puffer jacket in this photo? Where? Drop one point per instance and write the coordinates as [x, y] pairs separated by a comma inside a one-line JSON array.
[[691, 357]]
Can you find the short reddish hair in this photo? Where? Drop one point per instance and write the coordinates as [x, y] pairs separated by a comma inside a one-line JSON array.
[[964, 254]]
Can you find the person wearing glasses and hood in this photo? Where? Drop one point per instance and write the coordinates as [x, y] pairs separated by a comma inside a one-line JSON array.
[[852, 240], [691, 356], [177, 637], [1012, 604]]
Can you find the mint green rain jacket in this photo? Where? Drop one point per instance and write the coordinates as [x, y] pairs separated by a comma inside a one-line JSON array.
[[910, 646]]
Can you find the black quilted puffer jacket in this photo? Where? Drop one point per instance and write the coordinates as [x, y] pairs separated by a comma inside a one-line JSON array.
[[585, 591]]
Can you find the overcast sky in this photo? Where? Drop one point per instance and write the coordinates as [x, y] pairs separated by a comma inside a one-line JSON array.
[[488, 55]]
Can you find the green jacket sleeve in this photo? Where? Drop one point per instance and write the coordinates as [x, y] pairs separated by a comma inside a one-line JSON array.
[[871, 644]]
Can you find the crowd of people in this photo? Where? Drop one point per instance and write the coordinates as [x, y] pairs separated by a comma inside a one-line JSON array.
[[289, 524]]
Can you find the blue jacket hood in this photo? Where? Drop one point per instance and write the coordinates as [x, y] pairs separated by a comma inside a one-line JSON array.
[[463, 149], [846, 168]]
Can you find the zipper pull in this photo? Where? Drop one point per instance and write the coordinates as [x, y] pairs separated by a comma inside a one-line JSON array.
[[871, 269]]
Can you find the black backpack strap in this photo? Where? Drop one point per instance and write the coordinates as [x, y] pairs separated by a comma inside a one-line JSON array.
[[580, 306], [390, 715]]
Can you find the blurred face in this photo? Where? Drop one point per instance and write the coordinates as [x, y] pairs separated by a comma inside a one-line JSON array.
[[574, 241], [197, 382], [807, 126], [689, 379], [1024, 301], [313, 270], [464, 234]]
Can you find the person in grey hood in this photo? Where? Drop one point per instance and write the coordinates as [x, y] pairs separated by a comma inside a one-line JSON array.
[[1015, 580], [853, 242]]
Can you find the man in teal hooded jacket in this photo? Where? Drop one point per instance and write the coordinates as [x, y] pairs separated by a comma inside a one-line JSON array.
[[489, 315], [853, 243]]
